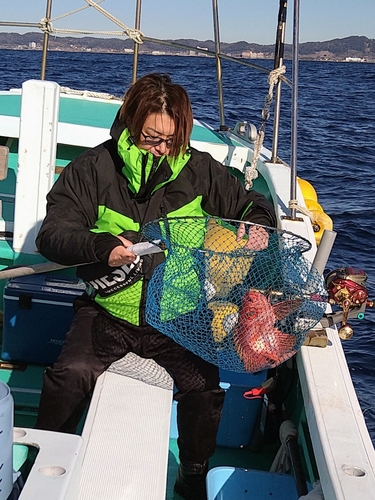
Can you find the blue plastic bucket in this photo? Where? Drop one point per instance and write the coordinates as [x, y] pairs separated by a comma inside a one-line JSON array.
[[6, 441]]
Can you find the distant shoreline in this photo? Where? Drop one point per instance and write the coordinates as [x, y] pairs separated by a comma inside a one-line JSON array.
[[349, 49], [174, 54]]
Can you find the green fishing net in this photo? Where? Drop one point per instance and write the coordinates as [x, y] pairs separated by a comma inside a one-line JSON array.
[[240, 309]]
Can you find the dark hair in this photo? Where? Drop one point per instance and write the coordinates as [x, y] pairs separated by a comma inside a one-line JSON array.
[[156, 93]]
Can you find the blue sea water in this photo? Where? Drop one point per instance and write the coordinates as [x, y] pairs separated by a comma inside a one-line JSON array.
[[336, 145]]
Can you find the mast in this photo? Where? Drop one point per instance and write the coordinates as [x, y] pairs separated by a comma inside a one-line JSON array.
[[218, 64], [136, 45], [45, 41]]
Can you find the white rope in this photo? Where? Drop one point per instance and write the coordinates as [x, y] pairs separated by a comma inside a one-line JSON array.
[[46, 26], [88, 93], [67, 31], [74, 11], [293, 204], [134, 34], [251, 172]]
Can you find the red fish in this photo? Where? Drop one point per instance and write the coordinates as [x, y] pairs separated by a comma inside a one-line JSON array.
[[259, 343]]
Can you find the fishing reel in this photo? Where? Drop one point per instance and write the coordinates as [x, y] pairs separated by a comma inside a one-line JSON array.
[[346, 288]]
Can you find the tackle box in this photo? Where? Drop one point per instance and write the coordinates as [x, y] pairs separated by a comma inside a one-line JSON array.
[[37, 315]]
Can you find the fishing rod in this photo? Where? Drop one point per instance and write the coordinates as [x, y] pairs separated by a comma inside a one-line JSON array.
[[140, 249], [294, 119], [346, 288], [278, 63]]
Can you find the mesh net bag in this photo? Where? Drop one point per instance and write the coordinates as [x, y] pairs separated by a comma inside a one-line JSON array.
[[240, 309]]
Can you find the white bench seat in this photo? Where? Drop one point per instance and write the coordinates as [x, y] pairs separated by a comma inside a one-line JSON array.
[[126, 433]]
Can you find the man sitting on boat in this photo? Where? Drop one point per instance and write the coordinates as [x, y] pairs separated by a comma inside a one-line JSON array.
[[95, 212]]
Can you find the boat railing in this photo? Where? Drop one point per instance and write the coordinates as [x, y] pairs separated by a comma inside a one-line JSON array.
[[275, 79], [47, 27]]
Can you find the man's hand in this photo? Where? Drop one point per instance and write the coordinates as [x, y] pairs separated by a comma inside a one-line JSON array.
[[120, 255], [258, 237]]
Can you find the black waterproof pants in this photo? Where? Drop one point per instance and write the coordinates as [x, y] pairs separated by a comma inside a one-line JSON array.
[[94, 341]]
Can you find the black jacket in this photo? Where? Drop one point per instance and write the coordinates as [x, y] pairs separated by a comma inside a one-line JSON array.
[[93, 200]]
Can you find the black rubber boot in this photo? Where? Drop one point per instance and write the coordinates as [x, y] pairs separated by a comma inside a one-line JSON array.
[[191, 481], [198, 418]]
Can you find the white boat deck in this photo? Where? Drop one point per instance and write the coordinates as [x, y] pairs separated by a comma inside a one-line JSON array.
[[55, 474]]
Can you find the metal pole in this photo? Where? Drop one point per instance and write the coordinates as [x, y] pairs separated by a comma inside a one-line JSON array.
[[45, 42], [136, 45], [278, 62], [324, 250], [218, 64], [24, 25], [293, 162]]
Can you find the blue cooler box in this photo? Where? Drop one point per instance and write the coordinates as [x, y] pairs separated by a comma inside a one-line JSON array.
[[239, 415], [37, 315], [232, 483]]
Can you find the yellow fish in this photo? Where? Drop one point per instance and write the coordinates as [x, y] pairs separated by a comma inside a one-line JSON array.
[[225, 271]]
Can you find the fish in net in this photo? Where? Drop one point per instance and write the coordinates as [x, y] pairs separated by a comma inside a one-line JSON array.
[[240, 309]]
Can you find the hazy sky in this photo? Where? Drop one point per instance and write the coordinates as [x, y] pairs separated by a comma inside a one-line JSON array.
[[250, 20]]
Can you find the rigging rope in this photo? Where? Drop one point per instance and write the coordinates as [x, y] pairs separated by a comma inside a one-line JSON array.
[[293, 204], [74, 11], [134, 34], [251, 172], [46, 25]]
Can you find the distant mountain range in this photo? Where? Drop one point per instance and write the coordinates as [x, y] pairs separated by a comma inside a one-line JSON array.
[[358, 48]]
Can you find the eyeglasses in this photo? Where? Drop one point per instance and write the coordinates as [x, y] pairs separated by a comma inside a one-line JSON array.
[[156, 141]]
